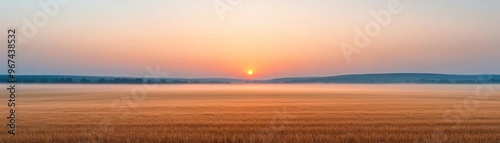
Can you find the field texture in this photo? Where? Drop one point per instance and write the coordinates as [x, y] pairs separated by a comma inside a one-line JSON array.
[[255, 113]]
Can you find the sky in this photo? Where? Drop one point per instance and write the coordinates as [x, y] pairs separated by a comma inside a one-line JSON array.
[[273, 38]]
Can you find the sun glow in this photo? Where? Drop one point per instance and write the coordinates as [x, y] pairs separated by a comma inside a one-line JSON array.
[[250, 72]]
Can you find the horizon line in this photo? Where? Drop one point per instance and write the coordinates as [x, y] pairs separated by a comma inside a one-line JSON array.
[[248, 79]]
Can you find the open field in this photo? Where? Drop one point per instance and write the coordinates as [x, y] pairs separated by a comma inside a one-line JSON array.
[[254, 113]]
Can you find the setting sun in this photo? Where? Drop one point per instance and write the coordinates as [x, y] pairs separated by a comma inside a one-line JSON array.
[[250, 72]]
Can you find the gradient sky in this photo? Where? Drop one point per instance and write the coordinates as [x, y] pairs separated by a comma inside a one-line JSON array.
[[274, 38]]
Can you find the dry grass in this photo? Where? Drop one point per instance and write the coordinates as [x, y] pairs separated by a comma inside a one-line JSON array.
[[253, 113]]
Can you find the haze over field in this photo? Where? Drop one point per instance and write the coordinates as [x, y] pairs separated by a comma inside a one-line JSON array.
[[278, 38]]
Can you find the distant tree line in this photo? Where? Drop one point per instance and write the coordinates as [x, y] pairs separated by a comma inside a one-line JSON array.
[[420, 81], [189, 81], [446, 81], [118, 81]]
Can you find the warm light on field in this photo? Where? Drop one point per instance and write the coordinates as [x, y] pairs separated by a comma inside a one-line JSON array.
[[260, 113]]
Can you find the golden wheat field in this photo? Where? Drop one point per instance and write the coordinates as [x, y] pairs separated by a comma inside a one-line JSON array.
[[248, 113]]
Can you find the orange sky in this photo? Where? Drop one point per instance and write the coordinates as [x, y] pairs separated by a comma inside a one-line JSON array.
[[273, 38]]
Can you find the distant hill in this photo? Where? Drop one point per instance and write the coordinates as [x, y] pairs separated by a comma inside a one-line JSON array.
[[394, 78], [421, 78]]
